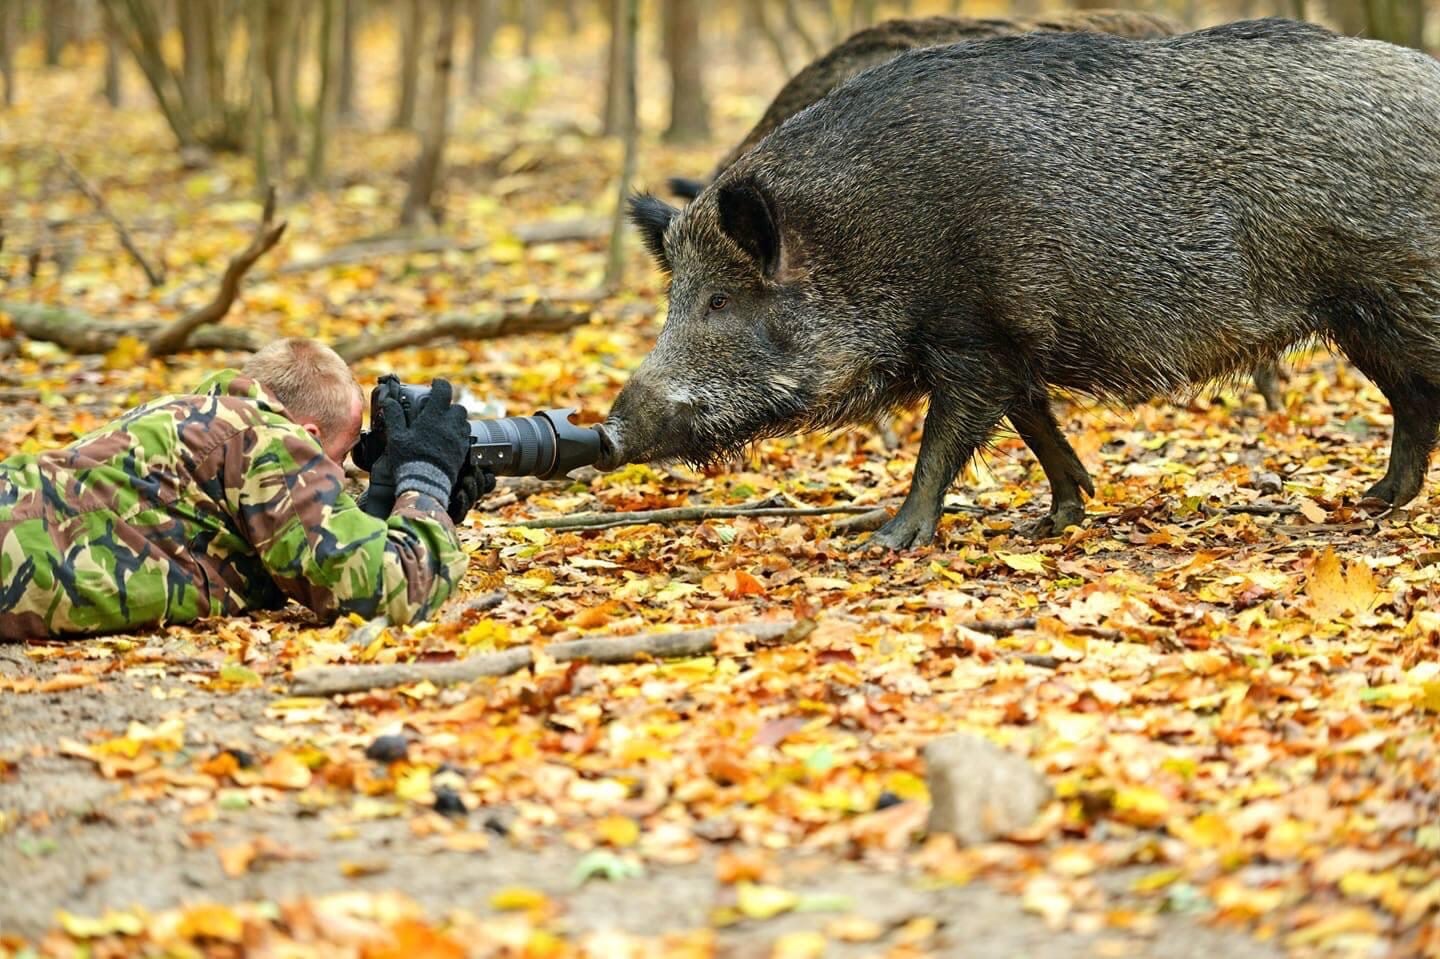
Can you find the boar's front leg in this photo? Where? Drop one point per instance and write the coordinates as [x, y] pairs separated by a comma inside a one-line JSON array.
[[1035, 422], [955, 428]]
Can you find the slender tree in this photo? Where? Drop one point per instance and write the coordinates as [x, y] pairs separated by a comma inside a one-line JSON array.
[[345, 82], [259, 79], [412, 37], [328, 54], [628, 25], [689, 111], [9, 36], [613, 119], [484, 16], [422, 207], [112, 90]]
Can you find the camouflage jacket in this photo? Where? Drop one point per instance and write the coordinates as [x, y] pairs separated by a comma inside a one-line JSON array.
[[206, 505]]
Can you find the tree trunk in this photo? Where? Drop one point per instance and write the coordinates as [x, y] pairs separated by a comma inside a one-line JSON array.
[[9, 36], [531, 15], [137, 23], [421, 204], [689, 113], [412, 35], [58, 18], [484, 17], [195, 50], [324, 98], [614, 118], [797, 26], [345, 92], [112, 65], [628, 25], [772, 37], [259, 119]]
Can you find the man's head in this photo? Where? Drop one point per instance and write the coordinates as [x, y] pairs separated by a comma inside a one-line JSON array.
[[317, 388]]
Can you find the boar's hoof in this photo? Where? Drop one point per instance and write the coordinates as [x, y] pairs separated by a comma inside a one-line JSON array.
[[903, 532], [1060, 518]]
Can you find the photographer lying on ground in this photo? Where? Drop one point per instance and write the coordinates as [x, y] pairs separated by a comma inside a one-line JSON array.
[[231, 499]]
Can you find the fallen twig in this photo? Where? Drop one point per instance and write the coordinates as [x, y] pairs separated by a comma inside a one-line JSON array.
[[331, 680], [535, 318], [694, 514], [155, 276], [173, 338], [401, 245], [563, 231]]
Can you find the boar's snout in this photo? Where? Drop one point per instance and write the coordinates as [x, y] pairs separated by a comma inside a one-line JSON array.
[[648, 422]]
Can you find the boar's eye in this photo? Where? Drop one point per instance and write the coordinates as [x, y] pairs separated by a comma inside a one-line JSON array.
[[718, 302]]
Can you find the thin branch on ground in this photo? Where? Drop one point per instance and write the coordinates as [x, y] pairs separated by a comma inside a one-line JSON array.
[[535, 318], [590, 228], [331, 680], [695, 514], [154, 275], [173, 338]]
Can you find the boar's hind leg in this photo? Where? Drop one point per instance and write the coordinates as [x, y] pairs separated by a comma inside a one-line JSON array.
[[1415, 402], [955, 428], [1035, 422]]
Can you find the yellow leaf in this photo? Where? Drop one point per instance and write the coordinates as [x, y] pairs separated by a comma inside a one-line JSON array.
[[1157, 880], [212, 922], [285, 771], [112, 923], [1336, 591], [236, 860], [940, 569], [799, 945], [1206, 831], [515, 898], [1367, 885], [1333, 924], [414, 784], [357, 870], [854, 929], [764, 902], [127, 353], [618, 830], [1044, 897], [1141, 805], [1023, 562]]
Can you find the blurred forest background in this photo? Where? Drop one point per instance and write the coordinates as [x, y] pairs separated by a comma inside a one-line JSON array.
[[308, 93]]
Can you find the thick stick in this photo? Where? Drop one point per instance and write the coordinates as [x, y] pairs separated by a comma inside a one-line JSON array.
[[693, 514], [536, 318], [156, 277], [81, 333], [173, 338], [330, 680]]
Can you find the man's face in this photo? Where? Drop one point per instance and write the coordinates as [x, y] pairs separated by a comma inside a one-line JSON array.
[[337, 444]]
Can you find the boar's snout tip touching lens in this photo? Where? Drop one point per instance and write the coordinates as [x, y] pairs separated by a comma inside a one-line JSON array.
[[985, 223]]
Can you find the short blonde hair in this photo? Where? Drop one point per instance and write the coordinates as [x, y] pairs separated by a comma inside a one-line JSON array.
[[309, 378]]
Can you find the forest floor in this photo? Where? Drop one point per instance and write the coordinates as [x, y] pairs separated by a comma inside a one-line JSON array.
[[1230, 677]]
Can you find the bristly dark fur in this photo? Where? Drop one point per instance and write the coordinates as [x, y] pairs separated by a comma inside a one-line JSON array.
[[652, 216], [990, 223]]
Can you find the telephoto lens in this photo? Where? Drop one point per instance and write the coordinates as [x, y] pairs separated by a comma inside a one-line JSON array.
[[546, 445]]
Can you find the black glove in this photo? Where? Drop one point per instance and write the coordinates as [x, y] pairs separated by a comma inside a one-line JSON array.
[[379, 497], [428, 451], [472, 485]]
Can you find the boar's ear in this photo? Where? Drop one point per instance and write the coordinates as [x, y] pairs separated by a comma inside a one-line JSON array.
[[747, 216], [652, 216]]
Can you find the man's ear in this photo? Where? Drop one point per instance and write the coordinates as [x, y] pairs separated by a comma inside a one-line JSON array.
[[313, 429], [652, 216], [748, 216]]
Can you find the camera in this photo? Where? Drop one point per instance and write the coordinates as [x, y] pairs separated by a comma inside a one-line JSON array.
[[546, 445]]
